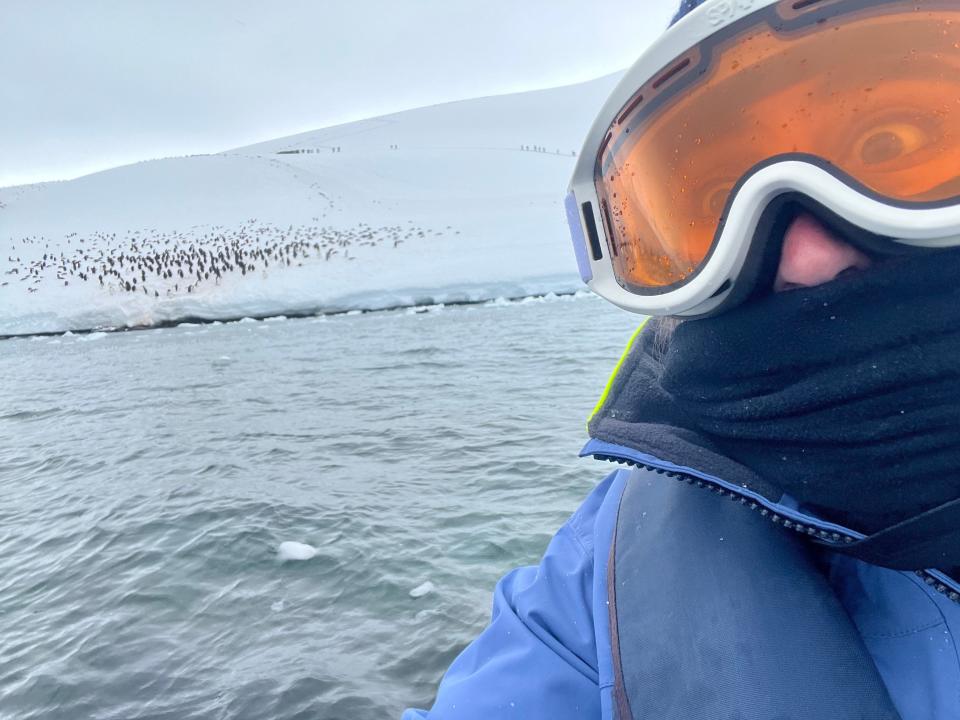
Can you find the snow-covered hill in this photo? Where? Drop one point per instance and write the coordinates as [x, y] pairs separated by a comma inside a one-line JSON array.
[[461, 201]]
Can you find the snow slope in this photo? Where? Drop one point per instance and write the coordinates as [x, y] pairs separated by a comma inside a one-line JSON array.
[[432, 205]]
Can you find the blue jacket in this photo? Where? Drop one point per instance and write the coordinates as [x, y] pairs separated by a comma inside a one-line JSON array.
[[687, 588], [548, 651]]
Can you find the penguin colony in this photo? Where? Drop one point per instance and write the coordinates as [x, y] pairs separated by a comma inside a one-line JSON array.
[[172, 264]]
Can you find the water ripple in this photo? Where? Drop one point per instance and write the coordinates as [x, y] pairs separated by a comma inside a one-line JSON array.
[[146, 483]]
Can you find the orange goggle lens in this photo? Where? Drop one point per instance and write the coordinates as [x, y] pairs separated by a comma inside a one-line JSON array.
[[871, 88]]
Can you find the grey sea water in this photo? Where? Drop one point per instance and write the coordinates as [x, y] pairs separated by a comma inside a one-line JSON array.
[[148, 478]]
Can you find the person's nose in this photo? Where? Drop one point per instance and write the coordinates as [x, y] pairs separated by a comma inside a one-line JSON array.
[[813, 255]]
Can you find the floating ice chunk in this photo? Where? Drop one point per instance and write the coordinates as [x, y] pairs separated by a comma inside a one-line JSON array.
[[277, 606], [92, 336], [291, 550], [423, 589]]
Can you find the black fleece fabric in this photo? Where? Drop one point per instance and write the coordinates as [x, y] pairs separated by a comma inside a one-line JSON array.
[[845, 396]]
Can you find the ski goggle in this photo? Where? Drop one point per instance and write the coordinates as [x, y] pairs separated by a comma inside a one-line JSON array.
[[852, 105]]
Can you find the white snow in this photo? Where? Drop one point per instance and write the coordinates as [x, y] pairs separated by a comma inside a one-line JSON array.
[[423, 589], [291, 550], [424, 207]]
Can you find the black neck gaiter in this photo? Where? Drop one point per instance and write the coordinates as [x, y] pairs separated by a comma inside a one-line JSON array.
[[846, 396]]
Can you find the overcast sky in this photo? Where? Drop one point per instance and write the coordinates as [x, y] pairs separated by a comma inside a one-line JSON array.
[[92, 84]]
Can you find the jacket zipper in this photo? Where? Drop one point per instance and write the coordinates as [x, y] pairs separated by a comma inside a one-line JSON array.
[[823, 536]]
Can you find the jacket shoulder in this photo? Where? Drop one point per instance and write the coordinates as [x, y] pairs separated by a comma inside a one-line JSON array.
[[539, 657]]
